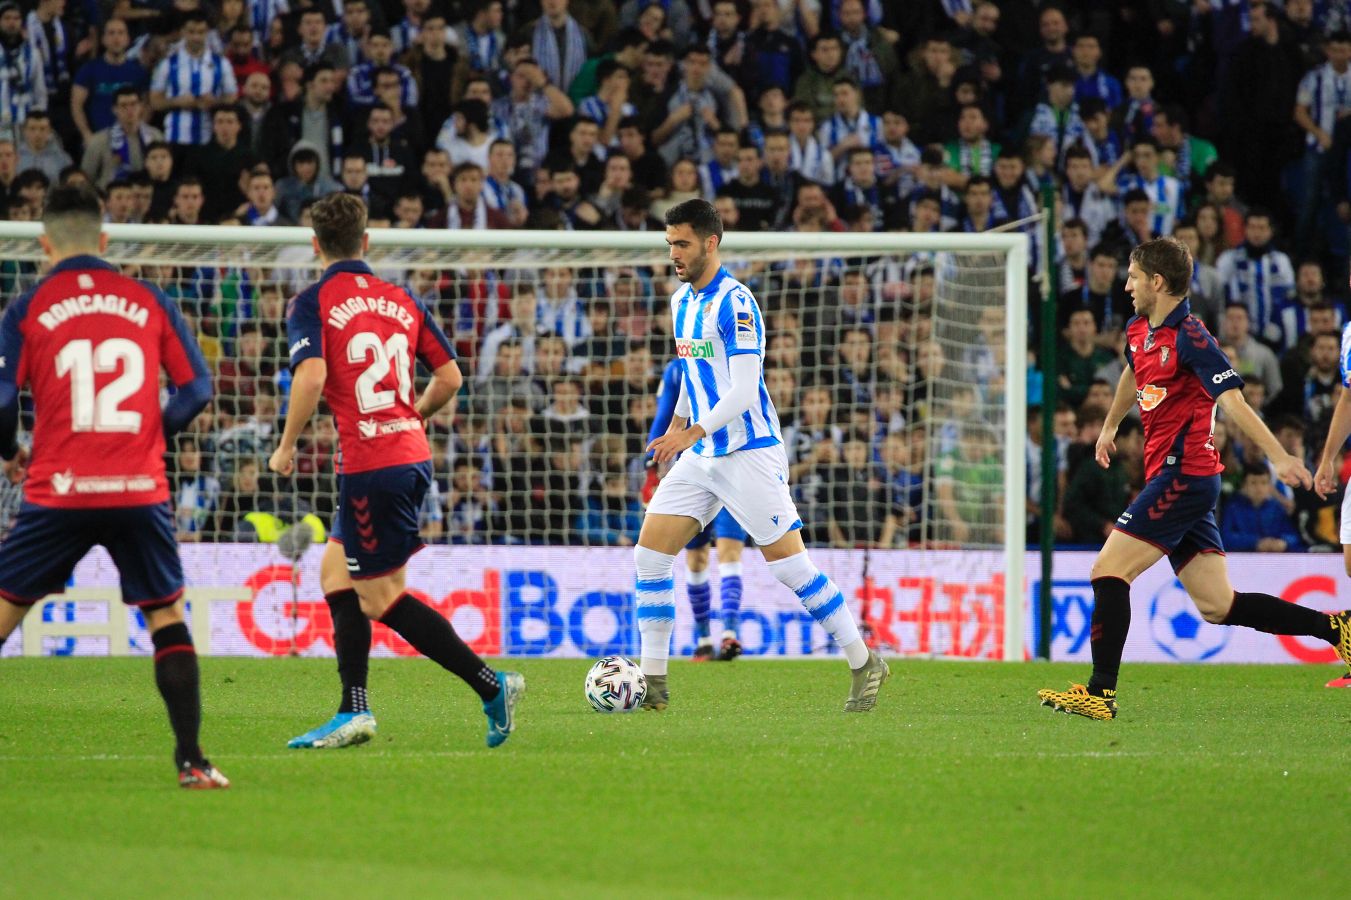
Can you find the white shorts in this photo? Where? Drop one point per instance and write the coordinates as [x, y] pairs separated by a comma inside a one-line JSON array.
[[752, 484], [1346, 515]]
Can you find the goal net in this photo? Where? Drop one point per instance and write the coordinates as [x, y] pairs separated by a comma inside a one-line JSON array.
[[896, 363]]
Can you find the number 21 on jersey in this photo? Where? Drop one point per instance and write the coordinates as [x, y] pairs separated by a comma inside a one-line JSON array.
[[392, 352]]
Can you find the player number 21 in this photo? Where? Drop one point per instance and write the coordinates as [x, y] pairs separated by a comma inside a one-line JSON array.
[[384, 354], [92, 410]]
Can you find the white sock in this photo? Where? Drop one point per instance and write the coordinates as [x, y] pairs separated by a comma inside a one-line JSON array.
[[825, 601], [693, 577], [655, 591]]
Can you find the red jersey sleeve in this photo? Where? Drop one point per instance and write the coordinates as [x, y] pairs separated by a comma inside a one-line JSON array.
[[180, 355], [433, 347]]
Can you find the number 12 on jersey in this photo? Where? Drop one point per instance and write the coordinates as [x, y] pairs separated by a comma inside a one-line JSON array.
[[98, 411]]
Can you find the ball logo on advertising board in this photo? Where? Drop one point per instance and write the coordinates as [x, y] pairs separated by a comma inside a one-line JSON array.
[[1178, 629]]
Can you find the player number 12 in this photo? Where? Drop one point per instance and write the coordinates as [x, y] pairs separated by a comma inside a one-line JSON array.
[[92, 410]]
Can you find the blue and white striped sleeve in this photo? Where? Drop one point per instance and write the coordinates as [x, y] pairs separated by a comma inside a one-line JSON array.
[[739, 323], [1346, 356]]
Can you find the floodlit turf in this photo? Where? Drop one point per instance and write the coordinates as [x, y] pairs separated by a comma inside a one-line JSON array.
[[1216, 781]]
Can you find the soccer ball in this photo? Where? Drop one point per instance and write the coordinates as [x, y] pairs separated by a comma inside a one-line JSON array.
[[615, 684]]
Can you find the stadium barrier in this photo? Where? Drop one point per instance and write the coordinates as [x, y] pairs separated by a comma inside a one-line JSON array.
[[578, 602]]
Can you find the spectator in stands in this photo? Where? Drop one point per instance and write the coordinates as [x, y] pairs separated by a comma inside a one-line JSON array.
[[473, 512], [1080, 356], [1254, 520], [313, 49], [972, 153], [683, 185], [558, 41], [649, 169], [610, 104], [1091, 82], [690, 114], [242, 496], [466, 136], [40, 148], [1255, 106], [527, 111], [1058, 116], [219, 163], [306, 180], [261, 207], [1258, 275], [925, 94], [1102, 294], [1295, 317], [389, 160], [196, 495], [248, 437], [849, 126], [315, 118], [118, 150], [482, 37], [1311, 396], [523, 327], [721, 169], [94, 92], [808, 158], [189, 83], [1320, 318], [1210, 233], [968, 482], [1083, 198], [612, 516], [979, 203], [1192, 155], [255, 100], [861, 501], [23, 82], [1135, 226], [351, 29], [188, 202], [1096, 496], [1207, 291]]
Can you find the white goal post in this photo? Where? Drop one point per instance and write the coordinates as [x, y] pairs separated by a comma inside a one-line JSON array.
[[966, 271]]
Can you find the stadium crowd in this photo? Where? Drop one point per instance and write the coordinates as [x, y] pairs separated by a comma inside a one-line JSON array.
[[1223, 122]]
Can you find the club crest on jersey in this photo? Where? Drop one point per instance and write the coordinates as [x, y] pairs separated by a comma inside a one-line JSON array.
[[1150, 396]]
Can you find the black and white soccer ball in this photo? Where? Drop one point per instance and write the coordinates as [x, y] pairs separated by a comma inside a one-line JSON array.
[[615, 684]]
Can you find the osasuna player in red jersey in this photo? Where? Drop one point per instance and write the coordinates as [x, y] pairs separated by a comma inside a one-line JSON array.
[[89, 343], [1178, 375], [355, 341]]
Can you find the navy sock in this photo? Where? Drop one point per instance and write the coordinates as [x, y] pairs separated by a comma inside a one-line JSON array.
[[352, 644], [1107, 632], [1273, 615], [179, 684], [432, 636]]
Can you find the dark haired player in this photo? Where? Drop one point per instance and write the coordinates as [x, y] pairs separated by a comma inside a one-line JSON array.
[[355, 340], [726, 434], [89, 343], [1178, 375]]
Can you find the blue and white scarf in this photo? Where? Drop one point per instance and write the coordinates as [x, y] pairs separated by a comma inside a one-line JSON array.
[[562, 71], [120, 147]]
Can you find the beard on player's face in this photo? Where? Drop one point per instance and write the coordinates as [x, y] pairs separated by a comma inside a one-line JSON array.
[[694, 268]]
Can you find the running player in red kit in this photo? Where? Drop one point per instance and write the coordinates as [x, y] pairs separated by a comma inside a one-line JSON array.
[[355, 340], [1178, 375], [89, 343]]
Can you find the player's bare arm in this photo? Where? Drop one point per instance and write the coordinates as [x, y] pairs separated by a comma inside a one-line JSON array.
[[307, 385], [1121, 404], [1325, 479], [445, 383], [1290, 469]]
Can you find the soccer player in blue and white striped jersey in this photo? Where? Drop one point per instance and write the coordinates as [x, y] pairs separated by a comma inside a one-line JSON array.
[[189, 82], [726, 436]]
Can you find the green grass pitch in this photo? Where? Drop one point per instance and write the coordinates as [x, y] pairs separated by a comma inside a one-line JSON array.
[[1216, 781]]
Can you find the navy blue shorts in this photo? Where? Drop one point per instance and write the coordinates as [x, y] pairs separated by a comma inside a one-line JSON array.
[[1176, 513], [722, 526], [40, 553], [377, 522]]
